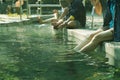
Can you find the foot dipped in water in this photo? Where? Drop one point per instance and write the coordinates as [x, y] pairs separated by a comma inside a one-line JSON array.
[[72, 52], [56, 24], [40, 20]]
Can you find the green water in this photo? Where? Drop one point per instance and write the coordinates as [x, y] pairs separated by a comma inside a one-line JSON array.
[[30, 52]]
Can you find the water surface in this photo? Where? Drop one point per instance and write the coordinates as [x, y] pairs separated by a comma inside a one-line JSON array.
[[31, 52]]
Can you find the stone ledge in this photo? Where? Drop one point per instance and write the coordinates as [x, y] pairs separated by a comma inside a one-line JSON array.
[[78, 35], [14, 23], [13, 20], [113, 53]]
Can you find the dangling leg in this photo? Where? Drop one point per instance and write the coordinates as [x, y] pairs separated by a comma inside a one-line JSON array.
[[102, 36], [86, 41]]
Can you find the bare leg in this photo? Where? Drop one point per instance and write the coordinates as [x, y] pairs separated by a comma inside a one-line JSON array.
[[49, 20], [102, 36], [53, 19], [70, 24], [86, 41]]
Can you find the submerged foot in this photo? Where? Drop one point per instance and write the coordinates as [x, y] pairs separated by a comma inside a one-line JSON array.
[[40, 20], [72, 52], [55, 25]]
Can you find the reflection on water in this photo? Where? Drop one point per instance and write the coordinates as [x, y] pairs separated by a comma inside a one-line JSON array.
[[30, 52]]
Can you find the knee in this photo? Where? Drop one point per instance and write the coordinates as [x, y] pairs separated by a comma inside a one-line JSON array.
[[96, 39], [90, 36]]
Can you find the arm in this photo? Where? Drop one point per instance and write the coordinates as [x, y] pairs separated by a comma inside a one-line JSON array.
[[65, 12]]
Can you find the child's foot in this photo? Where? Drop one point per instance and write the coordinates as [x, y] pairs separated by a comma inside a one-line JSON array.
[[55, 25], [40, 20]]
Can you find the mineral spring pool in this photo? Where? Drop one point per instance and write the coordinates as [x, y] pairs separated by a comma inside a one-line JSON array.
[[30, 52]]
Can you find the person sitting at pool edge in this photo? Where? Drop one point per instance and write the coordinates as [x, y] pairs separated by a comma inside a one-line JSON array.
[[75, 18], [18, 4], [109, 31], [57, 15]]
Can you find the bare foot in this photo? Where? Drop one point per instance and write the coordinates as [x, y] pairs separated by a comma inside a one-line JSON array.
[[40, 20], [55, 25]]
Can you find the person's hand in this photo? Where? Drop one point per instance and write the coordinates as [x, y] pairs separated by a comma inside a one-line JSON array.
[[55, 25], [55, 11], [63, 24]]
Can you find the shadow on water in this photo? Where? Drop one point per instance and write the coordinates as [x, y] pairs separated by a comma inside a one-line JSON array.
[[30, 52]]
